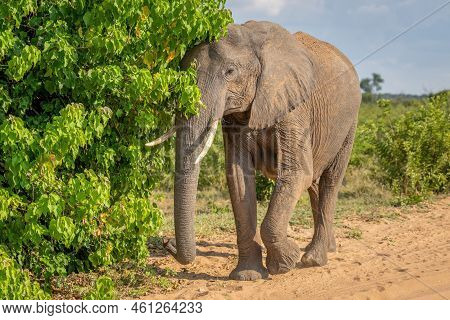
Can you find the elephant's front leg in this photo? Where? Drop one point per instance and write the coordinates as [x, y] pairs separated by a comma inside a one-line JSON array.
[[241, 184], [282, 252], [294, 176]]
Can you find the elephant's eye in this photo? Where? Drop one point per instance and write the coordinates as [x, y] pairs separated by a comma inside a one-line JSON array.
[[230, 72]]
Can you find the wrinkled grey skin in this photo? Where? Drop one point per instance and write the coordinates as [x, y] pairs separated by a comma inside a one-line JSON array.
[[288, 105]]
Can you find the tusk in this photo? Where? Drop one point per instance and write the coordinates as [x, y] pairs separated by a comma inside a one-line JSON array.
[[163, 138], [209, 142]]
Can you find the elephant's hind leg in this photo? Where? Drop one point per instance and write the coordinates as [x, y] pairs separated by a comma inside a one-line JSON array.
[[241, 184], [314, 200], [323, 201]]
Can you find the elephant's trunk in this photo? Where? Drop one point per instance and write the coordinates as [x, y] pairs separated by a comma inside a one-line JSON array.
[[193, 136], [184, 210]]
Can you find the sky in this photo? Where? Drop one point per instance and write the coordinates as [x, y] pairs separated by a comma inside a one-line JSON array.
[[418, 62]]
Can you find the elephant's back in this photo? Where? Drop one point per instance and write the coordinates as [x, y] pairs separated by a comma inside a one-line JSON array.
[[323, 51], [332, 66]]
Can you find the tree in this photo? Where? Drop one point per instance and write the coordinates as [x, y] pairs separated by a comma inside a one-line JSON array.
[[83, 85], [377, 80], [370, 85], [366, 85]]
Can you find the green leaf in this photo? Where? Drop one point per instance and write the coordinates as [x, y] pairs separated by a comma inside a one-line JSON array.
[[62, 229]]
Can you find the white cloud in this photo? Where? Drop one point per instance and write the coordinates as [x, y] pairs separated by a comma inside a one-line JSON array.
[[309, 5], [406, 3], [275, 7], [373, 9], [271, 7]]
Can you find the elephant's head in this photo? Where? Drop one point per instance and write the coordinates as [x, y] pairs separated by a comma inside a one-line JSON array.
[[259, 70]]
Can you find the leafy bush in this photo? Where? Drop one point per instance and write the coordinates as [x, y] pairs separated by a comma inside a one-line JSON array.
[[83, 85], [411, 151], [363, 149], [15, 283], [264, 187], [103, 290]]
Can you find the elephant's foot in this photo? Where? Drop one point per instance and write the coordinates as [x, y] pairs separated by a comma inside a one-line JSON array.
[[316, 254], [250, 265], [248, 272], [331, 245], [282, 257]]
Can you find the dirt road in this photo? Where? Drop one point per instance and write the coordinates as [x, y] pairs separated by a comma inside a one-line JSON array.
[[404, 258]]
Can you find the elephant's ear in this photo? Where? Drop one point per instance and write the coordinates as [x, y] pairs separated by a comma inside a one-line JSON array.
[[286, 78]]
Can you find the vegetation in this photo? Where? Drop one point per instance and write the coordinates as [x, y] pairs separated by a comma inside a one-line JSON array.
[[128, 279], [371, 85], [83, 85], [354, 233], [264, 187], [15, 283], [411, 151], [103, 290]]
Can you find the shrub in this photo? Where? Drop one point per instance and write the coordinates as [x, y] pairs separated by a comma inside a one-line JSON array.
[[264, 187], [83, 85], [15, 283], [412, 150], [102, 290]]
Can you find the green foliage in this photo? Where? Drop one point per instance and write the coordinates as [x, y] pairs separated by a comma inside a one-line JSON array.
[[23, 62], [102, 290], [369, 85], [366, 85], [264, 187], [377, 80], [410, 151], [15, 284], [83, 85]]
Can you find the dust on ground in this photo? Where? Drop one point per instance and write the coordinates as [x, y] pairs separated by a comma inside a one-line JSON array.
[[405, 258]]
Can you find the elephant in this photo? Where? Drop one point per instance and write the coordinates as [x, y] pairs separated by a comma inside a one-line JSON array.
[[288, 105]]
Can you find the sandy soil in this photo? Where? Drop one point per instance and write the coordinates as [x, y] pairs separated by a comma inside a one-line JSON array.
[[405, 258]]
